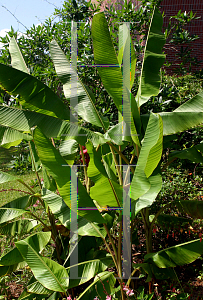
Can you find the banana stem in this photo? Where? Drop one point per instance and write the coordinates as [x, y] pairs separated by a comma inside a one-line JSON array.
[[117, 166], [85, 167], [107, 246]]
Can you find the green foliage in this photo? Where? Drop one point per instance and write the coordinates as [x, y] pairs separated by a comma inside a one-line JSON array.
[[43, 119]]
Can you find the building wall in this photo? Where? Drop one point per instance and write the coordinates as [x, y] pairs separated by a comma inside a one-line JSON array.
[[171, 8]]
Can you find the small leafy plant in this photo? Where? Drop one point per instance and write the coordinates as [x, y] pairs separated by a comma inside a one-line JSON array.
[[110, 176]]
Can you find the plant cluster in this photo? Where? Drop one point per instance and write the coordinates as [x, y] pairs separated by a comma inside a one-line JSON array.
[[74, 227]]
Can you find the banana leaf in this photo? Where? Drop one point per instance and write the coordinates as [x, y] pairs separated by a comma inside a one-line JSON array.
[[153, 60], [177, 255], [60, 171], [85, 104]]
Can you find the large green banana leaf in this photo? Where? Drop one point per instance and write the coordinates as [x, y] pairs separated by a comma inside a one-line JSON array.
[[4, 177], [49, 273], [18, 227], [124, 38], [17, 60], [5, 270], [112, 78], [20, 203], [103, 283], [174, 122], [85, 106], [148, 160], [10, 137], [153, 60], [60, 171], [186, 116], [62, 212], [177, 255], [112, 192], [11, 258], [104, 54], [38, 288], [8, 214], [36, 95], [88, 269], [190, 153], [194, 104], [149, 197], [34, 290], [24, 120]]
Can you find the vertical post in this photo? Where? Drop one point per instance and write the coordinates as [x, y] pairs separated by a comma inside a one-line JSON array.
[[74, 224], [126, 265], [126, 103], [74, 76]]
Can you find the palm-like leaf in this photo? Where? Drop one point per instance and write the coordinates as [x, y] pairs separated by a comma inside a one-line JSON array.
[[177, 255], [36, 95], [50, 274], [85, 107], [153, 60], [60, 171]]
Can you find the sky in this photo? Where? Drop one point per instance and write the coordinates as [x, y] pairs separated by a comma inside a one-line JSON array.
[[28, 12]]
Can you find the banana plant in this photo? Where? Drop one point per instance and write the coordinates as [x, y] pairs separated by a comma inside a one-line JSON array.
[[44, 121]]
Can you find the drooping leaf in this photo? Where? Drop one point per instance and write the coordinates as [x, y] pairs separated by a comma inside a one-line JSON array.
[[103, 284], [190, 153], [38, 288], [149, 197], [62, 212], [10, 137], [112, 192], [88, 269], [49, 273], [18, 227], [195, 104], [20, 203], [24, 120], [11, 258], [177, 255], [85, 107], [8, 214], [4, 177], [174, 122], [36, 95], [153, 60], [148, 160], [34, 290], [60, 171]]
